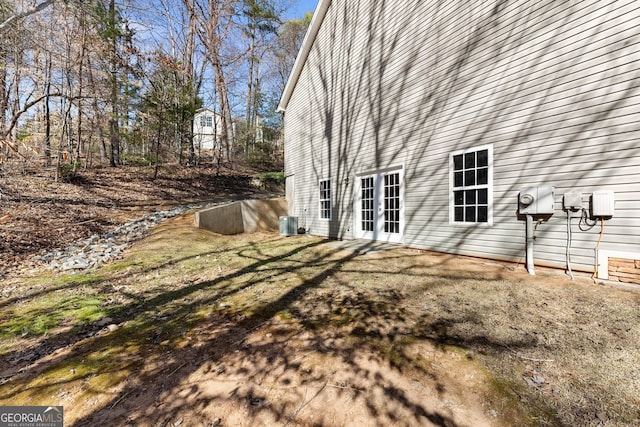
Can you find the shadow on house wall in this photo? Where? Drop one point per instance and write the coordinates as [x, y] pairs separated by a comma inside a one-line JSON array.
[[382, 88]]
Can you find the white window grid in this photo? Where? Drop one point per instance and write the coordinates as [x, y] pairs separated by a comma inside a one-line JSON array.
[[471, 186], [325, 199]]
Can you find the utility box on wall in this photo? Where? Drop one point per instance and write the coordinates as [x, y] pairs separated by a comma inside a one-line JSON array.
[[602, 204], [572, 201], [536, 200]]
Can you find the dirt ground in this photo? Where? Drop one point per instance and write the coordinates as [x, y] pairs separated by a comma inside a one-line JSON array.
[[243, 364], [38, 214], [195, 329]]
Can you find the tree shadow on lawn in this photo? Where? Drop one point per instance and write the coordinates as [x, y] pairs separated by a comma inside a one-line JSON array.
[[18, 361], [173, 351]]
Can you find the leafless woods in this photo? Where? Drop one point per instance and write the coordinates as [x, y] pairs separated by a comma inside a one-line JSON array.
[[111, 82]]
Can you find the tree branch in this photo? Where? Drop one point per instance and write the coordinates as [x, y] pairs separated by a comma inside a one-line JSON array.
[[24, 109], [26, 13]]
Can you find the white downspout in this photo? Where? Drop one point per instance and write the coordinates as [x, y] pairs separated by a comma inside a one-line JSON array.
[[530, 238]]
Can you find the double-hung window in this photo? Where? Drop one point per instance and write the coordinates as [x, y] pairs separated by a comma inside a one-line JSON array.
[[209, 121], [325, 199], [471, 178]]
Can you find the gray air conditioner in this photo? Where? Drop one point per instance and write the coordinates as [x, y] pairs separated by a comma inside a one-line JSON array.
[[288, 225]]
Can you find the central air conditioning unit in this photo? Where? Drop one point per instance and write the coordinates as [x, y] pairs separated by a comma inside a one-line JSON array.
[[288, 225]]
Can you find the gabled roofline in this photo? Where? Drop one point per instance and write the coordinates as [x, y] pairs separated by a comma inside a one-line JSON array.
[[200, 110], [303, 54]]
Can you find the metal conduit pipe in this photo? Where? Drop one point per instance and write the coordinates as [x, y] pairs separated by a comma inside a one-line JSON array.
[[569, 237]]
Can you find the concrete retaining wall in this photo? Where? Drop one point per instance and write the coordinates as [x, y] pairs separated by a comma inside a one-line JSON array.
[[243, 217]]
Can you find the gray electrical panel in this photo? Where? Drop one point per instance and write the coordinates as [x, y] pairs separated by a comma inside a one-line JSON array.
[[536, 200], [572, 201]]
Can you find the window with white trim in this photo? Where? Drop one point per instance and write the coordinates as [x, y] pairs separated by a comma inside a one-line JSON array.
[[209, 121], [471, 176], [203, 121], [325, 198]]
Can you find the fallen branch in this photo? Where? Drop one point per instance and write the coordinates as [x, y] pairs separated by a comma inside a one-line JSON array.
[[304, 403], [176, 370], [531, 359], [119, 400], [16, 230]]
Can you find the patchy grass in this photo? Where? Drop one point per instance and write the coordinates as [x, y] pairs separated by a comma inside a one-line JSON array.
[[280, 319], [39, 308]]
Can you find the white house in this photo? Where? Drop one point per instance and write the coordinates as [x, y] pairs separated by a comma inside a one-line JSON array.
[[490, 128], [206, 129]]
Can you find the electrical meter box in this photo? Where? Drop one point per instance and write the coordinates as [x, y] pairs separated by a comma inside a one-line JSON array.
[[572, 201], [536, 200], [602, 204]]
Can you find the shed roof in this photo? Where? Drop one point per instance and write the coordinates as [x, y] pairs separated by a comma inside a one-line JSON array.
[[206, 110], [303, 54]]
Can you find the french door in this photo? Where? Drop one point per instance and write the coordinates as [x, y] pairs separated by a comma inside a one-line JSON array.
[[379, 206]]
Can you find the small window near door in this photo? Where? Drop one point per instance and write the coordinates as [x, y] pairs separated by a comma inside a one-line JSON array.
[[325, 199], [367, 206], [471, 185]]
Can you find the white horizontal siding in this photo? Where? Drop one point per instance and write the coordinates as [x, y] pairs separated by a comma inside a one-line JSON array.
[[553, 86]]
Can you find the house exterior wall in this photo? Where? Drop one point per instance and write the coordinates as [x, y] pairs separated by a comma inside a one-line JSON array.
[[553, 87]]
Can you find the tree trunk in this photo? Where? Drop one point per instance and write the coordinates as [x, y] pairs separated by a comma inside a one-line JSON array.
[[114, 137], [65, 105], [79, 145], [212, 36], [226, 131], [254, 121], [157, 148], [17, 78], [189, 75], [4, 96], [47, 111], [250, 92], [96, 114]]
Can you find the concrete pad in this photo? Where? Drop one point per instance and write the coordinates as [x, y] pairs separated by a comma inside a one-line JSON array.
[[363, 246]]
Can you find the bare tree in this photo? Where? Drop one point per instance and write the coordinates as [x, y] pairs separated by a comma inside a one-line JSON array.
[[112, 37], [261, 22], [216, 21], [66, 83], [285, 48], [188, 74]]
